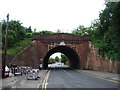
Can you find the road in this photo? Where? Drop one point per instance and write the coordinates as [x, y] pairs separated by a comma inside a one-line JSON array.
[[59, 76], [67, 78]]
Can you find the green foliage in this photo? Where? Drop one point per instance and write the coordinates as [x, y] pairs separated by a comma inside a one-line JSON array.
[[51, 60], [19, 46], [16, 32], [64, 59], [44, 32], [29, 30], [28, 35], [81, 30], [57, 59], [106, 31], [18, 36]]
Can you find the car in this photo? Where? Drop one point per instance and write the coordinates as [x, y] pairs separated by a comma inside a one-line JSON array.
[[32, 74], [36, 71], [6, 74], [7, 71]]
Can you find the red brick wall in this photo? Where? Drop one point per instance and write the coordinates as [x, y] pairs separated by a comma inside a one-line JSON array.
[[95, 62], [28, 57]]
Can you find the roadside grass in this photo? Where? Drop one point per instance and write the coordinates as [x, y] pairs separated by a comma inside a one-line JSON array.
[[19, 46]]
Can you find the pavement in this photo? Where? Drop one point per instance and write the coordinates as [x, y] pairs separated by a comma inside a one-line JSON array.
[[20, 81], [106, 75]]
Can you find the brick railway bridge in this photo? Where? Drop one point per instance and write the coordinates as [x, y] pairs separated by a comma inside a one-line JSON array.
[[43, 46]]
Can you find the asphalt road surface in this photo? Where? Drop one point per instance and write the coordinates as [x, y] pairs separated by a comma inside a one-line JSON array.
[[67, 78]]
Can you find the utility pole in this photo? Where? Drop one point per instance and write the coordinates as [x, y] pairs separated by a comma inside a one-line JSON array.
[[5, 48]]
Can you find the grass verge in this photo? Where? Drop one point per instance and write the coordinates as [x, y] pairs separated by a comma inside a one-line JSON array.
[[19, 46]]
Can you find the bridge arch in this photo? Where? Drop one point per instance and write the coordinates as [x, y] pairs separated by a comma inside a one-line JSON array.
[[75, 47], [74, 58]]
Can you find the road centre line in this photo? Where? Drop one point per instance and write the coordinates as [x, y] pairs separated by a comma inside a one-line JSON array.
[[44, 84]]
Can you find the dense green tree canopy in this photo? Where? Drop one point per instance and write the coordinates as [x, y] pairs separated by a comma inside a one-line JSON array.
[[106, 35]]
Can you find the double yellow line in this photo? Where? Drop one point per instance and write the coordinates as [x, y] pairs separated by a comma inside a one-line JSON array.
[[98, 77], [45, 81]]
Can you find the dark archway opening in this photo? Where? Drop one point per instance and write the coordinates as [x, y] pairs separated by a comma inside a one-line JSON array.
[[74, 59]]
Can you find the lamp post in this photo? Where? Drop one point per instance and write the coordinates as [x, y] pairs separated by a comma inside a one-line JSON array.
[[5, 48]]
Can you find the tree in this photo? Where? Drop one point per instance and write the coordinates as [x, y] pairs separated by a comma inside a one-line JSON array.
[[64, 59], [57, 59], [16, 32], [81, 30], [29, 30], [34, 30], [51, 60], [106, 35]]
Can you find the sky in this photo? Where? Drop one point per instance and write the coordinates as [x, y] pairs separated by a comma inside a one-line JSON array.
[[52, 15], [56, 54]]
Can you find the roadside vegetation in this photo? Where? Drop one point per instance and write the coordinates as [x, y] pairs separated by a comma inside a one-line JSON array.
[[19, 37], [106, 31], [19, 46]]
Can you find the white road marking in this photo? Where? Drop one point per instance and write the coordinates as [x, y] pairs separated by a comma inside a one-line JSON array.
[[45, 82], [67, 72]]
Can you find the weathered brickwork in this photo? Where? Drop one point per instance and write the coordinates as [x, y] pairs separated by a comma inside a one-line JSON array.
[[95, 62], [80, 42], [28, 57]]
